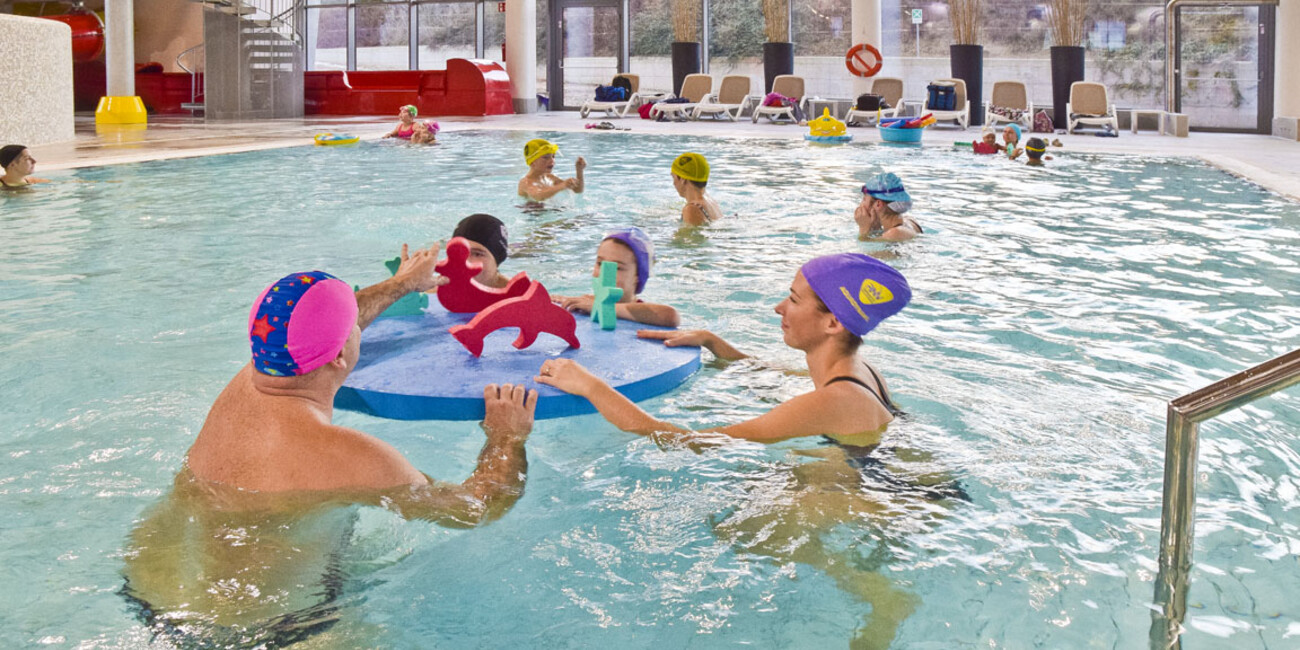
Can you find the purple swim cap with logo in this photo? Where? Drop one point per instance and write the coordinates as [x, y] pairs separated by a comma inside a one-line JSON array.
[[644, 250], [300, 323], [858, 289]]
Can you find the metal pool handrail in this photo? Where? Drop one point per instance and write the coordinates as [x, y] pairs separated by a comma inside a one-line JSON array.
[[1179, 504]]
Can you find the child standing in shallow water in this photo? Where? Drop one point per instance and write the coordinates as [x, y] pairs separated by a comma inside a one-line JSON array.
[[540, 183], [633, 252], [690, 176]]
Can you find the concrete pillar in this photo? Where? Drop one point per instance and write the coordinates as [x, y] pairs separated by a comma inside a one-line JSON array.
[[521, 53], [120, 105], [866, 28], [1286, 76], [36, 91]]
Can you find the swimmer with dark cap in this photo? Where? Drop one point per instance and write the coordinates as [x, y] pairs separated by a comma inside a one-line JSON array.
[[487, 246], [634, 254], [833, 302], [540, 183], [690, 176], [1034, 150], [880, 214], [18, 165]]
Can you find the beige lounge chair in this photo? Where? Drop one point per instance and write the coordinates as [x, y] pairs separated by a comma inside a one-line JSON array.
[[731, 99], [790, 86], [1014, 98], [891, 90], [695, 87], [616, 109], [1090, 104], [961, 114]]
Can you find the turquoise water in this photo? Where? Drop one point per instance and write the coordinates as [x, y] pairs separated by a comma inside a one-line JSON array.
[[1055, 312]]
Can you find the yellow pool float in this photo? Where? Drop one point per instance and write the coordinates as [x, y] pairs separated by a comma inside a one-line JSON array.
[[827, 129], [330, 139]]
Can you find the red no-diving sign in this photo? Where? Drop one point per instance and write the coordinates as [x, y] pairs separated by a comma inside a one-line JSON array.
[[501, 7]]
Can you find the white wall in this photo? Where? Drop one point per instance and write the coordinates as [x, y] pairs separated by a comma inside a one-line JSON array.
[[35, 81]]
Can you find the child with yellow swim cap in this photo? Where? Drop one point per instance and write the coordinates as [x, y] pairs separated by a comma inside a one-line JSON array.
[[690, 176], [540, 183]]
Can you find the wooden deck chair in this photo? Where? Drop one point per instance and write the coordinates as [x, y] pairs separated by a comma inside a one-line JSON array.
[[615, 109], [961, 114], [790, 86], [890, 90], [1010, 104], [695, 87], [1090, 104], [731, 99]]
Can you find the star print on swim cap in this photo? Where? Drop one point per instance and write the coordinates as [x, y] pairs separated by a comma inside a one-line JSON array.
[[858, 289], [300, 323]]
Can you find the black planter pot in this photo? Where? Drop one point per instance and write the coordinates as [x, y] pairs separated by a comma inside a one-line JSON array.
[[778, 59], [1067, 68], [968, 65], [686, 60]]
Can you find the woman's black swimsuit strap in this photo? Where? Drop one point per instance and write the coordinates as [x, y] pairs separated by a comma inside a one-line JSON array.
[[883, 399]]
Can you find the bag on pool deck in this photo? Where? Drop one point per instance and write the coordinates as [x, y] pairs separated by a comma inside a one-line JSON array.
[[644, 110], [624, 83], [870, 102], [1042, 122], [611, 94], [943, 97]]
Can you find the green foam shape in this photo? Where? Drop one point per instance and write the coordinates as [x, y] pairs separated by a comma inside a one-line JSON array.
[[412, 304], [605, 295]]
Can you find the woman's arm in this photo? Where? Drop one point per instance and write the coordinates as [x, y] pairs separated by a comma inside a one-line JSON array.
[[695, 338]]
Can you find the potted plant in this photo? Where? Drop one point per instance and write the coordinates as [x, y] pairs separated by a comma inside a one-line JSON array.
[[686, 41], [965, 55], [778, 51], [1067, 20]]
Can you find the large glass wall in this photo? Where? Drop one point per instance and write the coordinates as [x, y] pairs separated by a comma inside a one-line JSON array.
[[447, 30], [651, 42], [383, 36], [327, 45], [736, 40]]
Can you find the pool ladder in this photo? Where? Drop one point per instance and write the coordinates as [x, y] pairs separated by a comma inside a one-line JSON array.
[[1178, 511]]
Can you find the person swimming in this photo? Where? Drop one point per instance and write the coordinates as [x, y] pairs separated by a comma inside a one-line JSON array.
[[634, 253], [245, 550], [834, 301], [488, 246], [408, 128], [1011, 140], [880, 214], [540, 184], [1034, 150], [690, 176], [988, 145], [18, 164]]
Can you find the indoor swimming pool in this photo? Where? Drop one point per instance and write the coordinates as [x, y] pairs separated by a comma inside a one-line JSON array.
[[1055, 312]]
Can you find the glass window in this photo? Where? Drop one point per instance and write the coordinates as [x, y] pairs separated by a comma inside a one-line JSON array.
[[494, 31], [328, 37], [447, 31], [652, 32], [383, 37], [736, 40]]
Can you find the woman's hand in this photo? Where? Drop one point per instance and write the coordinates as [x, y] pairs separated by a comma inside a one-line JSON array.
[[575, 303], [679, 338], [568, 376]]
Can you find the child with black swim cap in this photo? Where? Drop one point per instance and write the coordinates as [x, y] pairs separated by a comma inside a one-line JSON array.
[[1034, 149], [633, 253], [487, 246]]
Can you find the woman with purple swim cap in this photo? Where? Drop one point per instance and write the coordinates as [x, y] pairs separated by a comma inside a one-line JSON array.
[[634, 254], [833, 301]]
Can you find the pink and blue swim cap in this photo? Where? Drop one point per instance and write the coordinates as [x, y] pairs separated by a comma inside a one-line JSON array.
[[300, 323], [858, 289], [644, 250]]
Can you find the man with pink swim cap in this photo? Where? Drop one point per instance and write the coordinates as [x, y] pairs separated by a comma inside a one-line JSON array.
[[270, 429]]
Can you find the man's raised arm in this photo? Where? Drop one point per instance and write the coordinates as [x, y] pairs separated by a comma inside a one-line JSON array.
[[414, 274]]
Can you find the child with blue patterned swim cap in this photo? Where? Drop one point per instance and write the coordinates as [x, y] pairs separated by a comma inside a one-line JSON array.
[[833, 302], [634, 254]]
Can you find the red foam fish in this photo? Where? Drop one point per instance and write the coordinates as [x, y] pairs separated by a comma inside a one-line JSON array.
[[463, 294], [533, 313]]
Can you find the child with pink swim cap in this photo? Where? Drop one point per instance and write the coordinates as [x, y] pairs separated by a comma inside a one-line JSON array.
[[833, 301], [634, 254]]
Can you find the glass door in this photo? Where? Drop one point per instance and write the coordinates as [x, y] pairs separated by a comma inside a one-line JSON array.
[[1225, 79], [590, 40]]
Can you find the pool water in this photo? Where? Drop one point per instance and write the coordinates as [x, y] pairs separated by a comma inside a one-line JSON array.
[[1055, 312]]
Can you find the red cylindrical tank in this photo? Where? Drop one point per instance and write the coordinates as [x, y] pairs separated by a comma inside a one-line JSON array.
[[87, 35]]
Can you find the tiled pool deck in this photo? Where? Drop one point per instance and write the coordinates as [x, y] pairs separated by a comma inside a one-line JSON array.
[[1271, 162]]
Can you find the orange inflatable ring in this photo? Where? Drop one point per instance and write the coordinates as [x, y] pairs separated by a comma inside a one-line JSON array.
[[858, 66]]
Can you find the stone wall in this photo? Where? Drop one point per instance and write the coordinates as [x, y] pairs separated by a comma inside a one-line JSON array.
[[35, 81]]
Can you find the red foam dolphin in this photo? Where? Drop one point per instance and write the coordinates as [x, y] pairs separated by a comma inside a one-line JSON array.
[[463, 294], [533, 313]]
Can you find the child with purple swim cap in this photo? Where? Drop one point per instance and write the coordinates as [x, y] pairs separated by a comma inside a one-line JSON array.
[[833, 301], [634, 253]]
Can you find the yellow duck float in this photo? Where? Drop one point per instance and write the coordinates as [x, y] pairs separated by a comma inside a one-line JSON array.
[[827, 129]]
